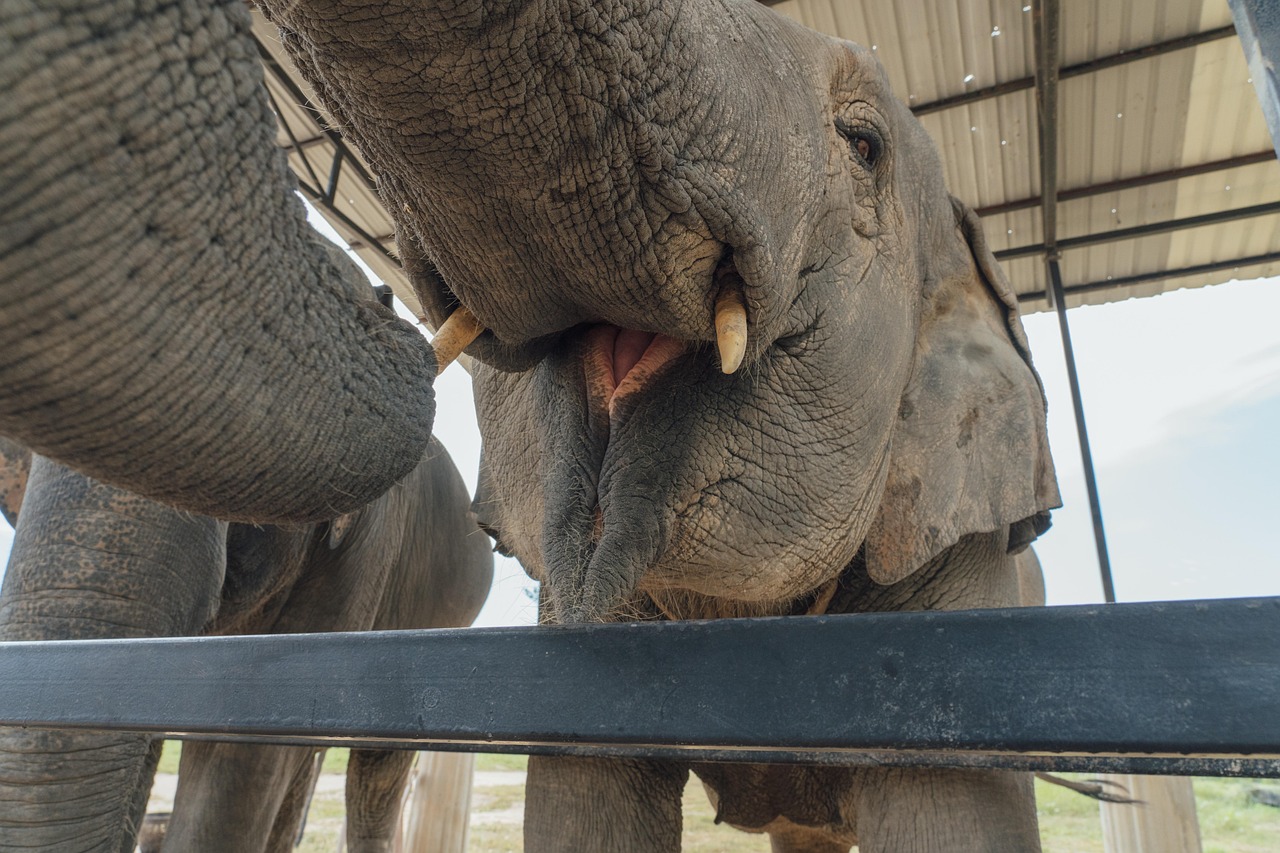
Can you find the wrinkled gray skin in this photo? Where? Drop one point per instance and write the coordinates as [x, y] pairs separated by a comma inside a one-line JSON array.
[[412, 559], [571, 166], [169, 322], [575, 167], [90, 559]]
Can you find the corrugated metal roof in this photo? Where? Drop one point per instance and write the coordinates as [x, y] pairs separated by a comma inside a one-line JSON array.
[[1133, 119], [1187, 107]]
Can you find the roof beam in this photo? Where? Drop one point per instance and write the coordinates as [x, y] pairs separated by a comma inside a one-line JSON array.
[[1267, 156], [1047, 16], [1089, 67], [1047, 39], [300, 98], [1158, 275], [1142, 230]]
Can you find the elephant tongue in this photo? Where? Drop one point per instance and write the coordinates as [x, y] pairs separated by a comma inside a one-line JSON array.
[[622, 361], [628, 348]]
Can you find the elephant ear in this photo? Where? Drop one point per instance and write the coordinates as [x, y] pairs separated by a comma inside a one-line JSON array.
[[969, 452]]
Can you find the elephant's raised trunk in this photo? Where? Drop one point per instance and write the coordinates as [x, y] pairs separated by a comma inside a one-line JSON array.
[[170, 322], [90, 561]]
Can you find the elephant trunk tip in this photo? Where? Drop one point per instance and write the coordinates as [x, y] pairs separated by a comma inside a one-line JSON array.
[[603, 590]]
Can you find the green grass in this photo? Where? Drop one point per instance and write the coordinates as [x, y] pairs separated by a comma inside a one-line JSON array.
[[335, 760], [169, 754], [496, 798], [1069, 823], [1230, 822], [501, 761]]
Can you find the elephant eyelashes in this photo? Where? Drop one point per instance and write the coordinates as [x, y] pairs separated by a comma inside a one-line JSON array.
[[865, 143]]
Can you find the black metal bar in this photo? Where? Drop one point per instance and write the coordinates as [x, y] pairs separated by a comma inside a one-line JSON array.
[[335, 171], [1024, 83], [300, 98], [1059, 302], [318, 198], [1143, 230], [1045, 15], [304, 144], [1136, 181], [1158, 275], [302, 152], [1134, 684]]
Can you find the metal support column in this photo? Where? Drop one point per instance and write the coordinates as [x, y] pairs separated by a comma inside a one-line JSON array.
[[1059, 300], [1047, 38]]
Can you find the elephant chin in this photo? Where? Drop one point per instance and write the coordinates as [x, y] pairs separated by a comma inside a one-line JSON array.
[[655, 472]]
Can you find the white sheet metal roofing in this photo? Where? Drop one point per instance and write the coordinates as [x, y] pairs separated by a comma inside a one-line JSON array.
[[1128, 133]]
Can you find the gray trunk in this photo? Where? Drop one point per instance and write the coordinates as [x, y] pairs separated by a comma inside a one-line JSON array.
[[90, 561], [583, 155], [169, 322]]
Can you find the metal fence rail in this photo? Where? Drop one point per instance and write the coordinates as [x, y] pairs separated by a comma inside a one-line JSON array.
[[1182, 688]]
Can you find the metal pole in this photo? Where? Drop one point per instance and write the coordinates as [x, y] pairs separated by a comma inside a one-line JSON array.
[[1082, 432], [1046, 14]]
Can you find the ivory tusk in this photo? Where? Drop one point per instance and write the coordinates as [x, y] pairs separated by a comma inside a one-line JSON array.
[[731, 327], [453, 336]]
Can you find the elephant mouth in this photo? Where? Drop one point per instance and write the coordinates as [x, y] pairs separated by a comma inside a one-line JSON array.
[[624, 358], [621, 362]]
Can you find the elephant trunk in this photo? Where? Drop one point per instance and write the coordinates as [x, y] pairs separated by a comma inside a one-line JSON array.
[[571, 162], [90, 561], [170, 322]]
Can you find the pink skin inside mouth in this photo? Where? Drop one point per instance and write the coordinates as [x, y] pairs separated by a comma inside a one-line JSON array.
[[622, 361]]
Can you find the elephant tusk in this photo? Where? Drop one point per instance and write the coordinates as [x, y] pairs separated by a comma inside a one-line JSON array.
[[453, 336], [731, 327]]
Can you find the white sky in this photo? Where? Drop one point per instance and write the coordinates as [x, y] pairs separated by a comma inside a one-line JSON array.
[[1182, 396]]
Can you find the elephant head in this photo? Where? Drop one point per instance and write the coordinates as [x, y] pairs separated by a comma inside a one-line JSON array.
[[593, 180]]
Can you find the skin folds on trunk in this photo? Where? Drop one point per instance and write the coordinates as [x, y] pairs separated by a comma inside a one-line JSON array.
[[574, 142], [170, 322], [91, 561]]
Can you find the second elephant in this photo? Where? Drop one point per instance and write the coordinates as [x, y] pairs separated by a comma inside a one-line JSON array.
[[413, 558]]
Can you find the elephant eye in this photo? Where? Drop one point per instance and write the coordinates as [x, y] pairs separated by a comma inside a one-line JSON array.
[[866, 145]]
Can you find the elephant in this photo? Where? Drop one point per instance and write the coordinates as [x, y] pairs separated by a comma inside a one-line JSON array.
[[874, 440], [743, 353], [413, 558]]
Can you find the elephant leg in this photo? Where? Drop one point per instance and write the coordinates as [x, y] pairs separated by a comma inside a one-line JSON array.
[[375, 785], [603, 805], [89, 562], [288, 827], [924, 810], [229, 795]]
